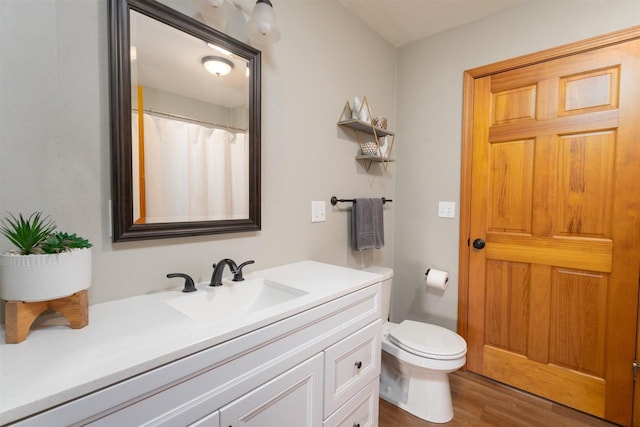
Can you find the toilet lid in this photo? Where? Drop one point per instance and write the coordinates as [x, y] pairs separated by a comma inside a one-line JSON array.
[[428, 340]]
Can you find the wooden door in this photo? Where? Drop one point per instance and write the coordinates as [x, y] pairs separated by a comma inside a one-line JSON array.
[[636, 383], [554, 228]]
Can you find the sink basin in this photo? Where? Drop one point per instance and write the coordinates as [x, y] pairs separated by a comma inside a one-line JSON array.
[[233, 299]]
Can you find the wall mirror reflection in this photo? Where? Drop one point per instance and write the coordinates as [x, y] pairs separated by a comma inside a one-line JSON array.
[[186, 143]]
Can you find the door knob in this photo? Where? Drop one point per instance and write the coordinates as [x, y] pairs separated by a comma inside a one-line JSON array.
[[478, 244]]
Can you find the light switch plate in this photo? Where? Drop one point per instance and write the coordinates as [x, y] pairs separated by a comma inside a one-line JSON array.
[[110, 229], [318, 211], [446, 209]]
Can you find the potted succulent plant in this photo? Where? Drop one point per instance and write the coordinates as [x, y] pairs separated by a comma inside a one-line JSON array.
[[46, 265]]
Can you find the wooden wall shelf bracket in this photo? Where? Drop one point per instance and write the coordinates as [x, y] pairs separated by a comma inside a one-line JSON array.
[[366, 127]]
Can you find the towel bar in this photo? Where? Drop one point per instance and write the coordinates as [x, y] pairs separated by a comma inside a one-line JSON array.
[[335, 200]]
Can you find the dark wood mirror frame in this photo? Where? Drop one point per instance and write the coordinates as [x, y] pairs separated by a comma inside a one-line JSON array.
[[124, 226]]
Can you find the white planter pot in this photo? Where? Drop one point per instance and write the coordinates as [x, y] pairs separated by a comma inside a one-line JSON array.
[[31, 278]]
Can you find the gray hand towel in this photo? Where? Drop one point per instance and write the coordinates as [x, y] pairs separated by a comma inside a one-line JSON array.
[[367, 228]]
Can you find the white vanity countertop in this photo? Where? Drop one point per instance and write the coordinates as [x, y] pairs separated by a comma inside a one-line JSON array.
[[133, 335]]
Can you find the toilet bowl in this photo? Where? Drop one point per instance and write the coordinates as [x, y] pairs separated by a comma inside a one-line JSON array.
[[416, 360]]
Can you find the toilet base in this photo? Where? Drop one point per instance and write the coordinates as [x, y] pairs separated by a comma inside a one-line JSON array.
[[424, 393]]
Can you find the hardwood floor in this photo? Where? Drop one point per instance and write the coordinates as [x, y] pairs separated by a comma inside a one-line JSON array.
[[478, 401]]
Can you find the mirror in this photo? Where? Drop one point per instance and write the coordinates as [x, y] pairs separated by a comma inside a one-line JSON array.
[[185, 140]]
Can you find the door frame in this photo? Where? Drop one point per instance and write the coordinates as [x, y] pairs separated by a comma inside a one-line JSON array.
[[593, 43]]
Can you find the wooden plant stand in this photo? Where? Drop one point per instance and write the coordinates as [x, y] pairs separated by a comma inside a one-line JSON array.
[[19, 316]]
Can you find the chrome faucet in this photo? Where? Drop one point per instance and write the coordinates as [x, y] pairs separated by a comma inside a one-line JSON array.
[[216, 277]]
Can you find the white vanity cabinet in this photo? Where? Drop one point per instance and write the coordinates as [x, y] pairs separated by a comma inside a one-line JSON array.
[[318, 367]]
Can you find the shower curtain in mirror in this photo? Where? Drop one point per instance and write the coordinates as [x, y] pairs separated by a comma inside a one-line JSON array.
[[192, 172]]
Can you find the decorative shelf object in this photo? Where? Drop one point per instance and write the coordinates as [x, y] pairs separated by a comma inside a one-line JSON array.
[[381, 151]]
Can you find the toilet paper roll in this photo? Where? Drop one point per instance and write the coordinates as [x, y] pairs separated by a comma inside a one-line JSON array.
[[437, 279]]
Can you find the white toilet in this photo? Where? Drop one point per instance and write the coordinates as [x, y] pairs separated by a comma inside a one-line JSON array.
[[416, 361]]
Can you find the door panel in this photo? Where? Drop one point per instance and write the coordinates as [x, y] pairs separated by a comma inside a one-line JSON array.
[[552, 298], [585, 178], [577, 336], [507, 299], [511, 180], [589, 91]]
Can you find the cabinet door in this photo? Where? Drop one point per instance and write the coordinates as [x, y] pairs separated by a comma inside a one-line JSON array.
[[350, 364], [211, 420], [292, 399]]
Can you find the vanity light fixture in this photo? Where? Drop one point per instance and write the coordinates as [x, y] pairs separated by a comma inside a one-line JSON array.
[[261, 26], [217, 65], [215, 3], [231, 15]]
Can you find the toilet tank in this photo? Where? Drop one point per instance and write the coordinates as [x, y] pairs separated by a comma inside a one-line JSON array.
[[386, 278]]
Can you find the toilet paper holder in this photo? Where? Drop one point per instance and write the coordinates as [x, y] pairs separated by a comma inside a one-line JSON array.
[[427, 273], [439, 281]]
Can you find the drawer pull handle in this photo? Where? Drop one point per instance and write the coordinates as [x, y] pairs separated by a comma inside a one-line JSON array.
[[358, 366]]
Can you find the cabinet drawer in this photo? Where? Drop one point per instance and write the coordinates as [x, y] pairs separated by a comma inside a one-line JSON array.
[[292, 399], [361, 410], [351, 364]]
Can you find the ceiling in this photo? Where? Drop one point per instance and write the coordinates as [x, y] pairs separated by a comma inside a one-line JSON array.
[[401, 22], [404, 21], [398, 21]]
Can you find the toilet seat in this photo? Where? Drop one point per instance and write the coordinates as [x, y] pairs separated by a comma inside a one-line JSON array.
[[426, 340]]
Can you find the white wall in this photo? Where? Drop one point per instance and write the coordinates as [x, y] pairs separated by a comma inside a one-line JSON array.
[[429, 130], [55, 136]]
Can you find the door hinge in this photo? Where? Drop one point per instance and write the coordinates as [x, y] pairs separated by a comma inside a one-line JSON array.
[[636, 367]]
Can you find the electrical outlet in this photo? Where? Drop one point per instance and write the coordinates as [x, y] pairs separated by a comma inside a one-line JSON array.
[[446, 209], [318, 211]]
